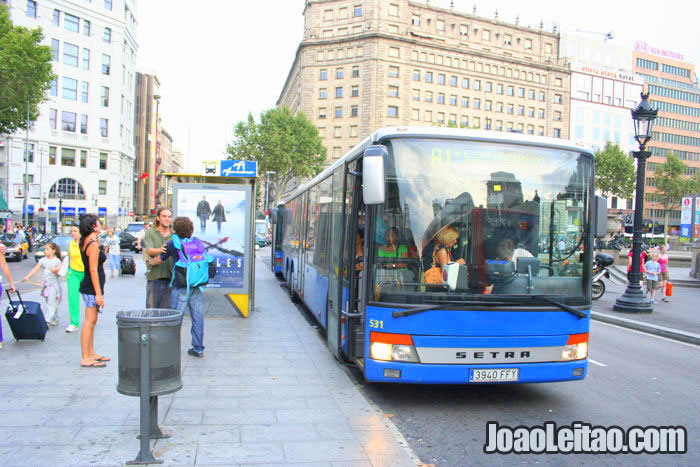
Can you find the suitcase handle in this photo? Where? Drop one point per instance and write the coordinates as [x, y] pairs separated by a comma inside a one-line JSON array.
[[18, 296]]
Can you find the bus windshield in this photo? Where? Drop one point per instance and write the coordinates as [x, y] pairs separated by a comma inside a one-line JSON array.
[[516, 216]]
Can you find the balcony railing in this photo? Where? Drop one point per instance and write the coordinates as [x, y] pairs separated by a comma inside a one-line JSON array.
[[67, 196]]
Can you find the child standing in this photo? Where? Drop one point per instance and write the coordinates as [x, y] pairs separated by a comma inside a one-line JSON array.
[[113, 252], [51, 288], [653, 269]]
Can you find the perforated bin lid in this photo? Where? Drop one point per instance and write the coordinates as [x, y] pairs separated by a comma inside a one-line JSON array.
[[148, 315]]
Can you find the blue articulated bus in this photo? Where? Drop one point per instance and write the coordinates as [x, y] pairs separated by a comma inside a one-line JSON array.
[[436, 255]]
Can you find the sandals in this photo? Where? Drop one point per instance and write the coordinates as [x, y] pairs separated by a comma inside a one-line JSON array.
[[95, 364], [102, 358]]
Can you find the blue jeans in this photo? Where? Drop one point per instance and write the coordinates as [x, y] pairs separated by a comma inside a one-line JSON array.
[[195, 304]]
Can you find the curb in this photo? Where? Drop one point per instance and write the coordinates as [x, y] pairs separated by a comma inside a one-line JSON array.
[[670, 333]]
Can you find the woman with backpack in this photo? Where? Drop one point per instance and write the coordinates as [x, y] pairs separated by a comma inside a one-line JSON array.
[[185, 296]]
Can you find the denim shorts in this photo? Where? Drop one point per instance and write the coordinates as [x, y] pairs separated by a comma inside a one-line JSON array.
[[89, 300]]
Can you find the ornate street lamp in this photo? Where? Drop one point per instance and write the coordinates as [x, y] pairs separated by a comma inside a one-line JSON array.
[[634, 300]]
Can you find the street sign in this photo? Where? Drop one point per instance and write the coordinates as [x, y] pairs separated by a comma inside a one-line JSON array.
[[101, 212], [629, 220], [235, 168], [82, 211], [131, 213]]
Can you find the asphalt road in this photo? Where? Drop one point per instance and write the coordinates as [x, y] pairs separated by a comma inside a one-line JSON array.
[[637, 380]]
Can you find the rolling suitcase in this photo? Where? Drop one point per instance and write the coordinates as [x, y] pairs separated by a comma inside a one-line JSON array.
[[30, 324], [128, 266]]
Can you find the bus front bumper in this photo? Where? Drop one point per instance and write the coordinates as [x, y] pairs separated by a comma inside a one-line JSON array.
[[417, 373]]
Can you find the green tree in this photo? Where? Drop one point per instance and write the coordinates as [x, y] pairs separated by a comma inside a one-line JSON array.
[[672, 185], [285, 143], [614, 172], [25, 73]]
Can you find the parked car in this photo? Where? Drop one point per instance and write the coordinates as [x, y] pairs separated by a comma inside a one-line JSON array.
[[260, 241], [15, 250], [63, 242], [126, 240]]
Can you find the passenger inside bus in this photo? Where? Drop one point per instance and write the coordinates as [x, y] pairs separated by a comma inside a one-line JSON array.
[[445, 241], [392, 249], [507, 251]]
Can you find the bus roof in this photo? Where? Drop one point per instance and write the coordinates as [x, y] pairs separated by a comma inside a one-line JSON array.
[[388, 133]]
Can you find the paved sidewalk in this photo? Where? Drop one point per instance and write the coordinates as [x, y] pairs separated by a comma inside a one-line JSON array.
[[678, 319], [267, 392]]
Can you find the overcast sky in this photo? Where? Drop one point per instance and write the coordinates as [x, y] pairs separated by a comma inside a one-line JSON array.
[[217, 60]]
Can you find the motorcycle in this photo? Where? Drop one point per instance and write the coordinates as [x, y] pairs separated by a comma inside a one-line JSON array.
[[600, 269]]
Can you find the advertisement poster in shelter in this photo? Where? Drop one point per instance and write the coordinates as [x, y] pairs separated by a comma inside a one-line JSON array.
[[220, 214]]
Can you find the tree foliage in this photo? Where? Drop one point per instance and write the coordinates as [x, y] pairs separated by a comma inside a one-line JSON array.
[[25, 73], [285, 143], [614, 172], [672, 184]]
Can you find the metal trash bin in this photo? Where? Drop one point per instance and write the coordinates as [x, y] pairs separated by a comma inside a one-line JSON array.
[[149, 366], [165, 352]]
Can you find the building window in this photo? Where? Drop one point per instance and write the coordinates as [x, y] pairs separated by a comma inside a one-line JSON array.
[[453, 99], [86, 59], [322, 93], [477, 103], [343, 13], [86, 27], [83, 158], [355, 71], [530, 130], [557, 98], [70, 88], [321, 112], [540, 131], [106, 60], [557, 116], [540, 113], [558, 82], [540, 97], [84, 92], [521, 110], [338, 112], [322, 132], [440, 25], [392, 111], [324, 75], [68, 121], [393, 71], [28, 153], [530, 111], [428, 76], [337, 132], [393, 9], [71, 23], [531, 94], [70, 54], [104, 97], [52, 155], [441, 79], [103, 161], [415, 114], [528, 44], [339, 73], [104, 127], [67, 158], [415, 20], [510, 91], [55, 45], [428, 116], [108, 5], [521, 92], [499, 89], [441, 98], [54, 87], [509, 109], [477, 85], [31, 9], [354, 111], [357, 11], [557, 133], [56, 18], [488, 105], [428, 96], [338, 92], [465, 102], [84, 124], [465, 83], [488, 87], [102, 187], [107, 36], [53, 116], [463, 30], [355, 91], [394, 51]]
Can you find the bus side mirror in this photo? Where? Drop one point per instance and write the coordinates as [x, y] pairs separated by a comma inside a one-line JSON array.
[[273, 216], [373, 181], [600, 217]]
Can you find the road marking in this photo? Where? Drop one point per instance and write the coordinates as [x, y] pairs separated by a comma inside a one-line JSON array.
[[648, 334], [596, 362]]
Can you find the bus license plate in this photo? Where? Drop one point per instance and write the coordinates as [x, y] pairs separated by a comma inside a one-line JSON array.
[[493, 375]]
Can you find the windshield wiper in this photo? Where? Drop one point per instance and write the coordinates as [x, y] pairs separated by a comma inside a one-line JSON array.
[[564, 307], [445, 305]]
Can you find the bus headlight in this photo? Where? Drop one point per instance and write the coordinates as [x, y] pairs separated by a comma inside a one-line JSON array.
[[392, 347], [576, 347]]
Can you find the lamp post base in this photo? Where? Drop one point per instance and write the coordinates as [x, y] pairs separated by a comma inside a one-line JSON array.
[[634, 300]]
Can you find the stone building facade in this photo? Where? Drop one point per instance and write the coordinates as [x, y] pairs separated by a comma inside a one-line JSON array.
[[367, 64]]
